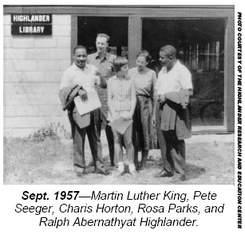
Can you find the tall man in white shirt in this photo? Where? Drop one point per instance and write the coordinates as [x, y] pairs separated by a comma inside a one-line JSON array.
[[173, 88]]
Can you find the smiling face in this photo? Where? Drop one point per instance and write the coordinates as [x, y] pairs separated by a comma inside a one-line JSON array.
[[141, 63], [80, 57], [101, 44]]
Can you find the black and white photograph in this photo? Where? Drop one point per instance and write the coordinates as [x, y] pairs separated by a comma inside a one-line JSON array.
[[118, 94]]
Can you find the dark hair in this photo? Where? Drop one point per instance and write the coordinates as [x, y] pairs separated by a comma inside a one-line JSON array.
[[103, 35], [79, 47], [119, 62], [169, 50], [145, 54]]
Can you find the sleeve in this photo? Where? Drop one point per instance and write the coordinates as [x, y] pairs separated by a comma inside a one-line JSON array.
[[109, 89], [154, 80], [130, 73], [133, 90], [96, 76], [157, 86], [67, 94], [185, 79], [109, 94], [89, 59], [113, 58], [111, 66], [133, 98]]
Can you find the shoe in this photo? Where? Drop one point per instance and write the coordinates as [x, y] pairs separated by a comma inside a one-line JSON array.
[[182, 177], [120, 169], [144, 159], [137, 166], [133, 173], [142, 165], [101, 170], [119, 173], [91, 163], [132, 170], [80, 171], [164, 173]]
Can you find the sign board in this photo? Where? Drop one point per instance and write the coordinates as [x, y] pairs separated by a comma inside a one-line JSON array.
[[31, 24]]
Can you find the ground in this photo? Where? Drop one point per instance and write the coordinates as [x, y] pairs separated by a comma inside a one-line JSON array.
[[210, 160]]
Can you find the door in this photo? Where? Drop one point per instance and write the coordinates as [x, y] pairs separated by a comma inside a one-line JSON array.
[[116, 27]]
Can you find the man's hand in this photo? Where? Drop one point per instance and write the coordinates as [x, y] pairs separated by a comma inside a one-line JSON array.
[[184, 104], [97, 73], [186, 98], [83, 94], [161, 98]]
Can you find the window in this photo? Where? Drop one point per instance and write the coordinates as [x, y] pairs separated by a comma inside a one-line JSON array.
[[200, 46]]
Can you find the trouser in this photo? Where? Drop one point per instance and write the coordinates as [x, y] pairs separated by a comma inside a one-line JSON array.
[[175, 153], [109, 136], [161, 140], [172, 149], [78, 135], [142, 127], [142, 121], [126, 141]]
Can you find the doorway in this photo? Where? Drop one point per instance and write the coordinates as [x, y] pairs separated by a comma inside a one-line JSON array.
[[116, 27]]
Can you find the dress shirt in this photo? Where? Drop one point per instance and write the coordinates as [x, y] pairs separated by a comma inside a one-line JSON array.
[[85, 77], [178, 78], [121, 91]]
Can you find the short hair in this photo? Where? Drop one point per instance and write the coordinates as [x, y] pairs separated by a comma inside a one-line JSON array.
[[119, 62], [169, 50], [79, 47], [145, 54], [103, 35]]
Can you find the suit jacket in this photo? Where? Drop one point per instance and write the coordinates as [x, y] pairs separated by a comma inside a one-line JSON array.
[[174, 116], [67, 96]]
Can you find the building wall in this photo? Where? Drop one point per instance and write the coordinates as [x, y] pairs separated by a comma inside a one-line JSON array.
[[33, 66]]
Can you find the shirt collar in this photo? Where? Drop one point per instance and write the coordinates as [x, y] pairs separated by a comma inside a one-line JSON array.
[[106, 57], [78, 68], [164, 69], [126, 78]]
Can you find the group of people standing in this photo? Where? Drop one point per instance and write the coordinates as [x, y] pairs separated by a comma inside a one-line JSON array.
[[137, 95]]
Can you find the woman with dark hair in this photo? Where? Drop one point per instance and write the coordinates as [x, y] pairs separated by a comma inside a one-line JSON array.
[[121, 103], [144, 80]]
